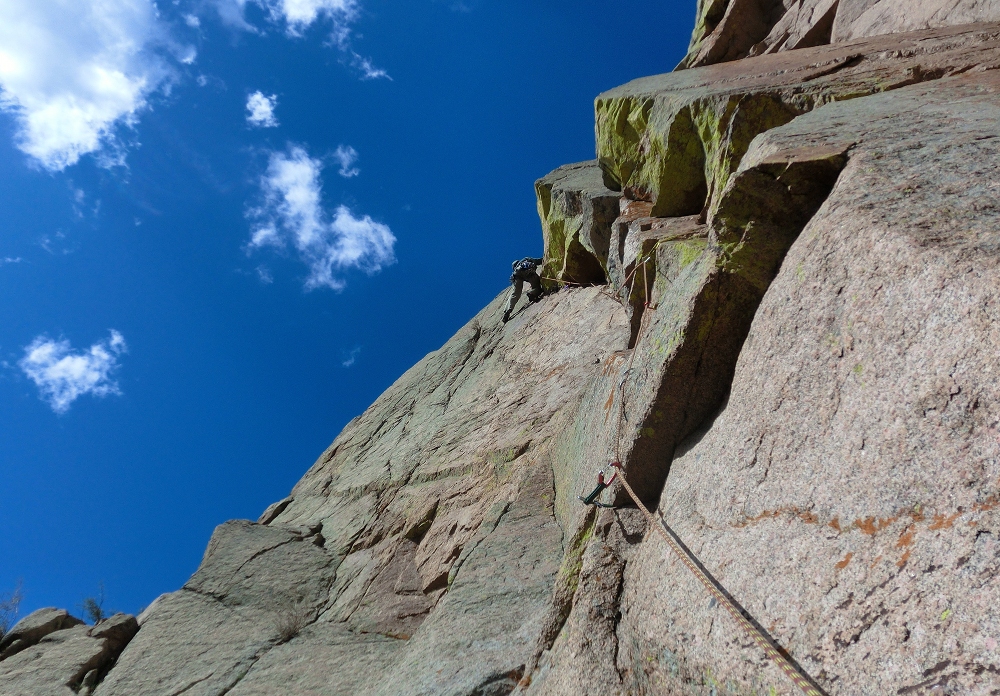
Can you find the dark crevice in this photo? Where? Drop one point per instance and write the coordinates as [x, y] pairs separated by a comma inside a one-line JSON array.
[[757, 220], [819, 33]]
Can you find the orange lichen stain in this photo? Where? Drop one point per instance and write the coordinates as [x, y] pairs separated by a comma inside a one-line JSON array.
[[608, 404], [835, 523], [972, 523], [944, 521], [867, 526], [987, 504], [902, 561], [875, 562], [906, 539], [917, 515], [847, 559], [871, 525], [804, 515]]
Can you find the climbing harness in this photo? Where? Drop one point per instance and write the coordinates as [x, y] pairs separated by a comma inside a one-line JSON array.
[[761, 637]]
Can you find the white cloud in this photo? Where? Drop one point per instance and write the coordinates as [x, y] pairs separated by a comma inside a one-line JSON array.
[[298, 15], [347, 156], [72, 72], [10, 259], [293, 215], [63, 375], [261, 110], [192, 21]]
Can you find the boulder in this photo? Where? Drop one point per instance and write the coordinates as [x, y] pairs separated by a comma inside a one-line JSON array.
[[66, 661], [33, 627]]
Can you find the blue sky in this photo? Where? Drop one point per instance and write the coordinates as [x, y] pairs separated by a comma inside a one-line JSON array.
[[228, 225]]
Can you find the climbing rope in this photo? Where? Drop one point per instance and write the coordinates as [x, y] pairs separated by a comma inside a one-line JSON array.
[[770, 647], [761, 637]]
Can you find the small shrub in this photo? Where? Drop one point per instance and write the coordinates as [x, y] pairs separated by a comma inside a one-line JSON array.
[[93, 607], [289, 620], [10, 605]]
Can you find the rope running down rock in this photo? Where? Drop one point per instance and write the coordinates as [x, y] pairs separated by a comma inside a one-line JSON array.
[[770, 647]]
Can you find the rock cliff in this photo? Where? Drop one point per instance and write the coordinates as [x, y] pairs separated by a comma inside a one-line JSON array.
[[775, 302]]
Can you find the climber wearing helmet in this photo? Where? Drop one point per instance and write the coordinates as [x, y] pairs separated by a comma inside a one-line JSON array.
[[524, 270]]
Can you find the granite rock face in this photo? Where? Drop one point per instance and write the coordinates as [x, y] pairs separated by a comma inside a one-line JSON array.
[[419, 554], [847, 490], [63, 656], [789, 341], [727, 30]]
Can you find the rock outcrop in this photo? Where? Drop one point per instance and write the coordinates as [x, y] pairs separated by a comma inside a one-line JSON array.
[[51, 653], [780, 317], [727, 30]]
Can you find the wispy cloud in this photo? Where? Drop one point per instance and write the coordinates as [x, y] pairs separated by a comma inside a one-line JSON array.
[[62, 375], [264, 274], [346, 156], [293, 215], [10, 259], [298, 15], [351, 356], [260, 110], [71, 73]]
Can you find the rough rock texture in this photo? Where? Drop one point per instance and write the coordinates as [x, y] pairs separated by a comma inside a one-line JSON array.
[[419, 553], [792, 357], [64, 661], [33, 627], [847, 490], [726, 30], [576, 210], [675, 139]]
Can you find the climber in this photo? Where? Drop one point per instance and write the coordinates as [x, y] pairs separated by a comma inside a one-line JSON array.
[[524, 270], [601, 485]]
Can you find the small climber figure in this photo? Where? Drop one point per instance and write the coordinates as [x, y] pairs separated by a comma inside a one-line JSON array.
[[601, 485], [524, 270]]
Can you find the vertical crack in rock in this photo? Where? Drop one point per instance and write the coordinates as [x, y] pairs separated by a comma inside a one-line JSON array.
[[581, 659]]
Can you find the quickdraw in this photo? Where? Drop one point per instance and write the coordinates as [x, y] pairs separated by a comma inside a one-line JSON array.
[[601, 485]]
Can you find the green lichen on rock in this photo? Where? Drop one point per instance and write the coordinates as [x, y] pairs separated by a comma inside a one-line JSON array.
[[726, 126], [661, 161], [676, 139], [767, 203], [576, 210], [569, 571]]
